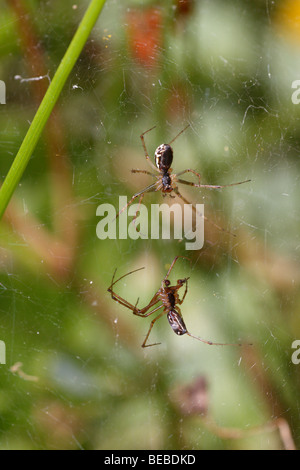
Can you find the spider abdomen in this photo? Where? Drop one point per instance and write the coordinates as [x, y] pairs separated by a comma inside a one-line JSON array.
[[164, 157], [176, 322]]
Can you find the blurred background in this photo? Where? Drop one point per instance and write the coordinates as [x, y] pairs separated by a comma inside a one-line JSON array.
[[76, 376]]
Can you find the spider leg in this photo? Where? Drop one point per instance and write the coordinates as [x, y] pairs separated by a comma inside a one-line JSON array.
[[203, 216], [172, 265], [121, 301], [145, 172], [158, 187], [188, 171], [140, 312], [185, 292], [135, 216], [144, 345], [149, 189], [113, 282], [220, 186], [148, 130], [190, 183], [115, 296], [211, 343], [207, 186], [128, 204], [181, 132], [145, 149]]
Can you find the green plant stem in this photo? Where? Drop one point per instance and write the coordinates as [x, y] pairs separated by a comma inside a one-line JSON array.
[[40, 119]]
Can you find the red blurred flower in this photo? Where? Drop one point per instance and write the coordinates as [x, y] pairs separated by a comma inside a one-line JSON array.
[[144, 29]]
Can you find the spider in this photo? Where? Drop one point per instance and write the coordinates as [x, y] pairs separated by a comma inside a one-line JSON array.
[[169, 298], [166, 181]]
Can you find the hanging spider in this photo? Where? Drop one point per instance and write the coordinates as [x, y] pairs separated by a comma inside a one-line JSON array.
[[166, 182], [169, 298]]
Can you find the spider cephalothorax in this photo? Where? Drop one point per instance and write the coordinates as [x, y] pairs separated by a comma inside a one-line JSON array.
[[166, 182]]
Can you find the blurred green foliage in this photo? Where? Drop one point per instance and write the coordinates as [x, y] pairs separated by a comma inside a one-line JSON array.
[[227, 69]]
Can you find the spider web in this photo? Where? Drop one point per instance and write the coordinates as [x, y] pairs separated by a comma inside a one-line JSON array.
[[75, 374]]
